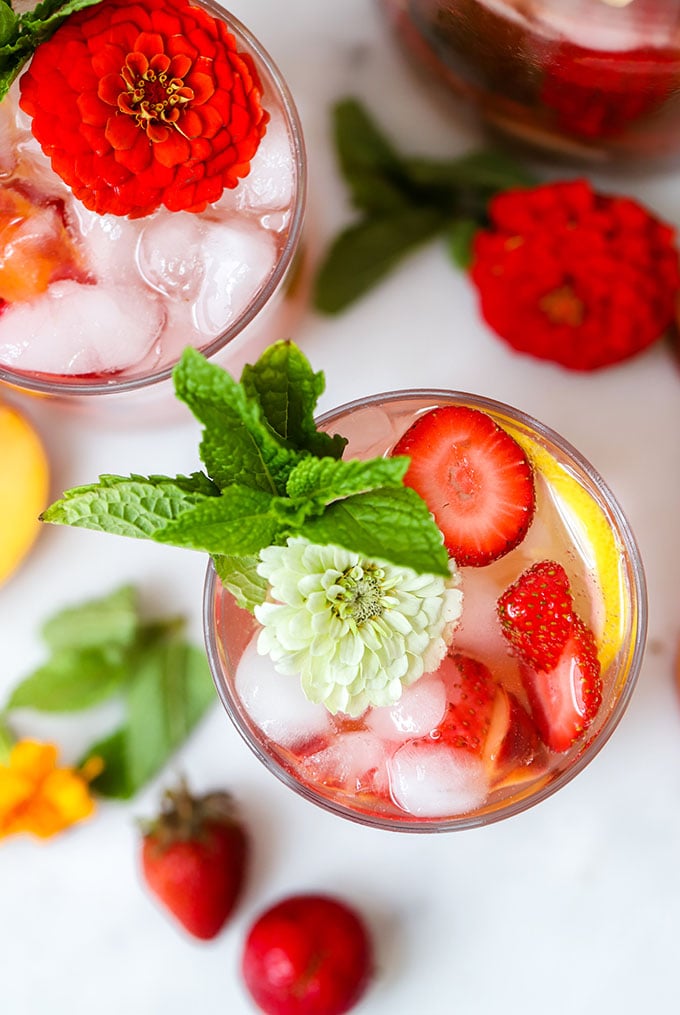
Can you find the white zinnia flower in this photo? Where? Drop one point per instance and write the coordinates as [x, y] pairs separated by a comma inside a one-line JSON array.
[[355, 630]]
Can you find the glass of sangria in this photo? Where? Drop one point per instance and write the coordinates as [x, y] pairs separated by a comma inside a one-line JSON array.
[[594, 80], [156, 202], [544, 653]]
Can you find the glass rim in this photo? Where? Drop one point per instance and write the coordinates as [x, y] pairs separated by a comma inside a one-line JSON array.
[[42, 383], [212, 590]]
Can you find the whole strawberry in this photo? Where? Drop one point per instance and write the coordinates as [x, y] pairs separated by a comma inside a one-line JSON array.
[[194, 857], [307, 955]]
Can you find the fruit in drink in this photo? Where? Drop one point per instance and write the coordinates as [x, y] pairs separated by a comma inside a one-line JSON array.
[[475, 478]]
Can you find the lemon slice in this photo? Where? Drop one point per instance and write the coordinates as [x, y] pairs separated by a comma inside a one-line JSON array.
[[591, 530], [23, 488]]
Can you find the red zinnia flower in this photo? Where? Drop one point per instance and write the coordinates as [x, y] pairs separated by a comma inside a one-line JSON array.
[[569, 275], [598, 94], [142, 104]]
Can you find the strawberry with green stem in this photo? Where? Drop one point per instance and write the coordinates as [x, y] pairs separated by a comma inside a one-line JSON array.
[[194, 859]]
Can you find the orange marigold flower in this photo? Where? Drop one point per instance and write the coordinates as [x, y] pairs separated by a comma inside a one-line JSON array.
[[143, 104], [37, 796]]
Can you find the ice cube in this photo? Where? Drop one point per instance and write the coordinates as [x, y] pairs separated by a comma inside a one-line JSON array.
[[353, 761], [170, 255], [108, 241], [269, 184], [276, 703], [479, 633], [237, 258], [419, 710], [80, 329], [431, 780]]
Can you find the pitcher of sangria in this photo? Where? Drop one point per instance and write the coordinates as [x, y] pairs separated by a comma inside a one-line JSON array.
[[595, 80]]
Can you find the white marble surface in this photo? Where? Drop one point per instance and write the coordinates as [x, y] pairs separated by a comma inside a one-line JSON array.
[[573, 906]]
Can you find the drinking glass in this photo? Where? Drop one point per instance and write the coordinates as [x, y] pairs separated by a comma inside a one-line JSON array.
[[264, 213], [590, 80], [578, 520]]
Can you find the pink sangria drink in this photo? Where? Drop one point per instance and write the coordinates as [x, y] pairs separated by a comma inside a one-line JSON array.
[[152, 185], [593, 79], [543, 642], [424, 611]]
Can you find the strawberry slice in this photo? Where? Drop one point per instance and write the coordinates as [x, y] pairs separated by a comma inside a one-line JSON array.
[[514, 752], [487, 720], [565, 699], [476, 480], [536, 614], [471, 692]]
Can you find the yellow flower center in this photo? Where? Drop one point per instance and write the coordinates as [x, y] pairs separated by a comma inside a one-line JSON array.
[[153, 95], [359, 594]]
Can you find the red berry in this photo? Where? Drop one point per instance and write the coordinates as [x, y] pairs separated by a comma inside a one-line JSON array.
[[536, 614], [194, 859], [307, 955], [474, 477], [565, 699], [471, 692]]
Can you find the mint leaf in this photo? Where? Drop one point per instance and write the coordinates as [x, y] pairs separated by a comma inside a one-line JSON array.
[[239, 522], [115, 780], [8, 23], [171, 692], [6, 741], [404, 201], [111, 619], [237, 445], [72, 680], [460, 241], [287, 390], [126, 506], [370, 165], [391, 525], [20, 36], [488, 171], [239, 576], [365, 253], [323, 480]]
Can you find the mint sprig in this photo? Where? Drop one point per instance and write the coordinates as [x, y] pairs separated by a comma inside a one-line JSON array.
[[403, 203], [21, 34], [102, 650], [270, 474]]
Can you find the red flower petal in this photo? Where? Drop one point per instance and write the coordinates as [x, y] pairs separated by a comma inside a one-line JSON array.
[[113, 114]]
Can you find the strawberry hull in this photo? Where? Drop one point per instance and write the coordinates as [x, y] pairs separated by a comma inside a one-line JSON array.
[[465, 745]]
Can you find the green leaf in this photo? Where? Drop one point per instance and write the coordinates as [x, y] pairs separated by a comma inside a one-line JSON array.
[[171, 692], [239, 576], [239, 522], [8, 23], [110, 619], [460, 241], [115, 780], [489, 171], [237, 444], [125, 506], [371, 167], [391, 525], [287, 390], [7, 741], [365, 253], [20, 36], [323, 480], [72, 680]]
